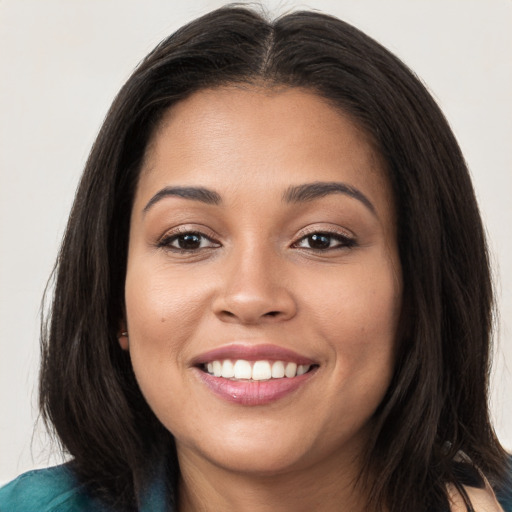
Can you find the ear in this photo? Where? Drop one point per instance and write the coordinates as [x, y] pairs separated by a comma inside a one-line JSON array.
[[122, 336]]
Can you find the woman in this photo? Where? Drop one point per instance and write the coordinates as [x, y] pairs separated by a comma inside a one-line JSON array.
[[273, 291]]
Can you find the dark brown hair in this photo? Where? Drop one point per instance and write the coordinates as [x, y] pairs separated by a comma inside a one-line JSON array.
[[436, 406]]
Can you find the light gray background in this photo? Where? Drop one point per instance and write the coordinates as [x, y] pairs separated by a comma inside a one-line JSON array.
[[61, 63]]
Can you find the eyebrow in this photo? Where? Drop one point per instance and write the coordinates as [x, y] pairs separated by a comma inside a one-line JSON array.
[[201, 194], [318, 189], [294, 194]]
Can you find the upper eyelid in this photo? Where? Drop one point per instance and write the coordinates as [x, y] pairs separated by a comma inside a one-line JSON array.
[[345, 238], [166, 242], [303, 233], [192, 229], [311, 230], [172, 236], [335, 235]]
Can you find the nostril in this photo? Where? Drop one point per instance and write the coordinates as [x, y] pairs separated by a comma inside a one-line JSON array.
[[272, 313]]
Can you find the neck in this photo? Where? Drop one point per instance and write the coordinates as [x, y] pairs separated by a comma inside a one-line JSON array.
[[207, 488]]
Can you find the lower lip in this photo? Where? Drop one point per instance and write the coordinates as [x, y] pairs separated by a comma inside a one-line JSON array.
[[245, 392]]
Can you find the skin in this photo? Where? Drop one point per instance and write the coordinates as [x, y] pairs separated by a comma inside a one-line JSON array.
[[483, 500], [257, 279]]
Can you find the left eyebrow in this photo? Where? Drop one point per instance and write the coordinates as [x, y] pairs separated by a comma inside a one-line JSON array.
[[318, 189], [204, 195]]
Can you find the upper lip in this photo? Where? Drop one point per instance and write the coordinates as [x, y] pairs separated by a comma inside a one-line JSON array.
[[251, 352]]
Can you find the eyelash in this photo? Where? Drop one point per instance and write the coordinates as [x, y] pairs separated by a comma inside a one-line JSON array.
[[167, 241], [343, 241]]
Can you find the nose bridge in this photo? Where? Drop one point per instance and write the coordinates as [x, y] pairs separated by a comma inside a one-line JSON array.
[[253, 287]]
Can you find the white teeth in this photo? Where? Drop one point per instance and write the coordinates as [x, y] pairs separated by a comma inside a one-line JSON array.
[[290, 370], [243, 369], [302, 369], [217, 368], [259, 370], [278, 370], [228, 370]]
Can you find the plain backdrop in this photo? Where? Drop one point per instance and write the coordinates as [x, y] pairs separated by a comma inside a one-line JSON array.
[[62, 62]]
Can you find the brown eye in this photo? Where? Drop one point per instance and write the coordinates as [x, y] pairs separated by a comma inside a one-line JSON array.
[[188, 242], [325, 241], [319, 241]]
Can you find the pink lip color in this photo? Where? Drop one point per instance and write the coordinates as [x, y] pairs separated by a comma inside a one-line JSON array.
[[251, 353], [246, 392], [253, 392]]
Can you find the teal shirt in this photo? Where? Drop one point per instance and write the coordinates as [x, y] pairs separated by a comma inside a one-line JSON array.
[[57, 490]]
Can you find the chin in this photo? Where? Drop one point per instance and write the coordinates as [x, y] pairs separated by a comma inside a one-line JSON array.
[[259, 461], [268, 451]]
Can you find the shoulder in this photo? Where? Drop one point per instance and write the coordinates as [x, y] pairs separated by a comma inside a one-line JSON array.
[[482, 498], [47, 490], [505, 493]]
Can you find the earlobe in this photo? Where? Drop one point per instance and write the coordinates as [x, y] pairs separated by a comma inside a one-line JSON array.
[[123, 339]]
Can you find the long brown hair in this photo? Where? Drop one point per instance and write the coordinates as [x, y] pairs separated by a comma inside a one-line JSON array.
[[436, 406]]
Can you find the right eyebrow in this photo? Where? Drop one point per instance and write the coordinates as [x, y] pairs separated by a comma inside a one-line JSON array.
[[317, 189], [202, 194]]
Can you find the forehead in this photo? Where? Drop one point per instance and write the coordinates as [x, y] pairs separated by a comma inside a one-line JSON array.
[[249, 136]]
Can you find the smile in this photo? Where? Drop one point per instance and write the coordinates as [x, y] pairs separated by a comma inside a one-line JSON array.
[[253, 375], [242, 369]]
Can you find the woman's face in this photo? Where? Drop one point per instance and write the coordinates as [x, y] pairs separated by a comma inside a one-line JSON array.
[[262, 243]]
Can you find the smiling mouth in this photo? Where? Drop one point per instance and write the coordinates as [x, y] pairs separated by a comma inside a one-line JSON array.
[[263, 370]]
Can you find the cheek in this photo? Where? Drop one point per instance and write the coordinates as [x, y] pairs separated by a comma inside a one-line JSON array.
[[357, 312], [157, 300], [163, 312], [358, 296]]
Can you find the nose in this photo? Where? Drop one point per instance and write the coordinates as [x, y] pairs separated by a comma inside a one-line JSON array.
[[254, 290]]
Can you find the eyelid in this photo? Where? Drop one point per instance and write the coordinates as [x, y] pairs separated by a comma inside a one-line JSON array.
[[164, 241], [167, 241], [346, 237], [328, 230], [188, 228]]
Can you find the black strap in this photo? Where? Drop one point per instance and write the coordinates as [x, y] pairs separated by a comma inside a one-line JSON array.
[[465, 497]]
